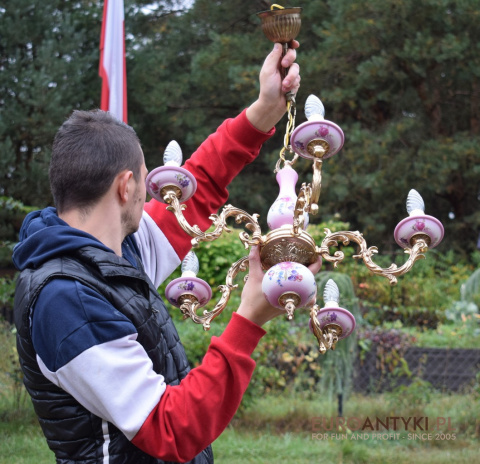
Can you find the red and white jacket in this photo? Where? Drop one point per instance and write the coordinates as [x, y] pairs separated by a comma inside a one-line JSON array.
[[167, 422]]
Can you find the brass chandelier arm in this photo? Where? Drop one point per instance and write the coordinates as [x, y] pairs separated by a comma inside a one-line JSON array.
[[219, 223], [317, 330], [301, 208], [308, 196], [190, 305], [316, 185], [416, 252]]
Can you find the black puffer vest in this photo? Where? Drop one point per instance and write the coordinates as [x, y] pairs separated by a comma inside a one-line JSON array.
[[73, 433]]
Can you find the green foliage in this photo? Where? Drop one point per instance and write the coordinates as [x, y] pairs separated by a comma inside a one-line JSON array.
[[470, 290], [11, 377], [12, 213], [400, 78], [461, 310], [409, 301], [389, 319], [49, 66], [281, 425], [389, 345], [7, 292], [412, 399], [462, 334], [337, 366]]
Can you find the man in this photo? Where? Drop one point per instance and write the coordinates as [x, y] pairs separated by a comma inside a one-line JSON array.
[[102, 361]]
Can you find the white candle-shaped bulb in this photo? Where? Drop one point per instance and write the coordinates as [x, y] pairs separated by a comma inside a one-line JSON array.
[[415, 204], [190, 265], [331, 294], [173, 154], [314, 109]]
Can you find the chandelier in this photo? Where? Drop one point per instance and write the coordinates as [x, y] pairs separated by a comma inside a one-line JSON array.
[[287, 248]]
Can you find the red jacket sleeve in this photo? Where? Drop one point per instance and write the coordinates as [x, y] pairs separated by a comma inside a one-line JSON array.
[[217, 161], [190, 416]]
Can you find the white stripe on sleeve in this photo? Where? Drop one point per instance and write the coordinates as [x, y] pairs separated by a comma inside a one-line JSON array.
[[114, 381], [158, 255]]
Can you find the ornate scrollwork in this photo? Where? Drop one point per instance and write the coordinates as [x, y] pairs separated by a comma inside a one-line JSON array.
[[190, 304], [328, 337], [302, 207], [218, 222], [308, 196], [366, 253]]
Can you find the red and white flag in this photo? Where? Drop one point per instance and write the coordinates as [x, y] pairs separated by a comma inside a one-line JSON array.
[[112, 68]]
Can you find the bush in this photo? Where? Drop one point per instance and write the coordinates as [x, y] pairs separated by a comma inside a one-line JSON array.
[[461, 310], [412, 399], [390, 346], [12, 213], [420, 297], [412, 312], [470, 290], [7, 294], [11, 377]]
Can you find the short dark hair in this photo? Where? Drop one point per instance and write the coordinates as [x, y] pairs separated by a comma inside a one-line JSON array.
[[89, 150]]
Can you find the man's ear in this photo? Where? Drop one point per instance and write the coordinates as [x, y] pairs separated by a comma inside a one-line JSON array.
[[124, 187]]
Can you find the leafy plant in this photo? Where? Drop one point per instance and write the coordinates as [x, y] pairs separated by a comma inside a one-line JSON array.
[[420, 298], [411, 399], [11, 377], [470, 290], [337, 365], [461, 310], [389, 346], [7, 291], [462, 334]]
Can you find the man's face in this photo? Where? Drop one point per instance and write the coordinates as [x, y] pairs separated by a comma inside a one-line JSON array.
[[133, 213]]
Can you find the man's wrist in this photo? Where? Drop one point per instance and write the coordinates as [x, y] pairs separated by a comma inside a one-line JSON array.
[[264, 116], [253, 315], [242, 333]]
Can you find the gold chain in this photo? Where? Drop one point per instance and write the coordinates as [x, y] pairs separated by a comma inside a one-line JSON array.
[[292, 112]]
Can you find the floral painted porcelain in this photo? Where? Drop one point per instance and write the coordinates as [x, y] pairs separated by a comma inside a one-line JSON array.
[[331, 313], [188, 286], [316, 130], [281, 211], [325, 130], [418, 223], [413, 225], [165, 176], [339, 316], [171, 175], [289, 277]]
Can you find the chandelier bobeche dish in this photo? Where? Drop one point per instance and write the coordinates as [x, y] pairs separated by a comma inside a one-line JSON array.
[[287, 249]]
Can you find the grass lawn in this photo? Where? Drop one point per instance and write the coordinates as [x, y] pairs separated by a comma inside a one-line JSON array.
[[279, 429], [235, 447], [289, 430], [22, 441]]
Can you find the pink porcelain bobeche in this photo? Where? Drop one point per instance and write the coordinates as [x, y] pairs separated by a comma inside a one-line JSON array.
[[339, 316], [311, 130], [421, 224], [289, 277], [188, 286], [171, 175]]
